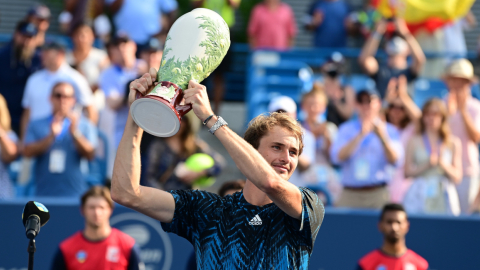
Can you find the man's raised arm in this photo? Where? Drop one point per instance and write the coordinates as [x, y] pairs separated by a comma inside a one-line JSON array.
[[126, 189], [250, 162]]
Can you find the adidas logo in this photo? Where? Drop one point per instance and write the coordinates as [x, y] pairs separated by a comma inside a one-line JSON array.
[[255, 220]]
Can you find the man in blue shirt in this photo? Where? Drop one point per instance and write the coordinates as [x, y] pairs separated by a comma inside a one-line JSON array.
[[59, 142], [367, 150], [329, 20], [271, 224], [18, 60]]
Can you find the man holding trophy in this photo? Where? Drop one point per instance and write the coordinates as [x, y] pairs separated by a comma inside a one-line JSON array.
[[271, 224]]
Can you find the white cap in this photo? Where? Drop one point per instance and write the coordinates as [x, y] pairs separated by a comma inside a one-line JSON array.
[[396, 45], [282, 103]]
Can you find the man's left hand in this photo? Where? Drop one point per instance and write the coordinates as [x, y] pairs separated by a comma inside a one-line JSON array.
[[196, 94]]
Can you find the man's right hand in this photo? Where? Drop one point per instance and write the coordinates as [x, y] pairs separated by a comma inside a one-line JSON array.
[[56, 125], [143, 85], [367, 127]]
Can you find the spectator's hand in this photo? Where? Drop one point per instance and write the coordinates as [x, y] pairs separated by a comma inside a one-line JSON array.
[[317, 18], [452, 103], [196, 94], [73, 117], [401, 26], [462, 96], [392, 92], [367, 127], [381, 26], [56, 125], [143, 85], [380, 128], [434, 160], [402, 86], [318, 130]]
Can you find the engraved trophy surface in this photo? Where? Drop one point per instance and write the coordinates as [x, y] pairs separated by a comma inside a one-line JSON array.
[[196, 44]]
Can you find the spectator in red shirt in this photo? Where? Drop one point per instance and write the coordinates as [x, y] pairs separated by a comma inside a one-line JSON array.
[[272, 26], [98, 246], [394, 254]]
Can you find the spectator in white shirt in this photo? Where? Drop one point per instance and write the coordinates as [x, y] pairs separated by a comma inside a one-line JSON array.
[[37, 90]]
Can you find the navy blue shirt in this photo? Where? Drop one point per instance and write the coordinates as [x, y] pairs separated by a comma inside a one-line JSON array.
[[229, 233], [331, 33], [385, 73], [13, 77]]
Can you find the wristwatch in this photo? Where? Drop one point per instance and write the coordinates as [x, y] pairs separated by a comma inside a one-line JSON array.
[[220, 123]]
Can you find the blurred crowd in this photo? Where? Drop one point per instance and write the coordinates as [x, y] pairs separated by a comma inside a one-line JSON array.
[[63, 110]]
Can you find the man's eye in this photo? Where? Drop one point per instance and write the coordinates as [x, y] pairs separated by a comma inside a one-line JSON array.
[[293, 153], [276, 147]]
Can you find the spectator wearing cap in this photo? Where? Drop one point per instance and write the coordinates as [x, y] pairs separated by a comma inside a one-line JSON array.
[[59, 141], [272, 26], [37, 91], [367, 151], [341, 98], [114, 82], [284, 104], [152, 53], [398, 49], [329, 20], [464, 121], [40, 16], [88, 60], [18, 60], [141, 21]]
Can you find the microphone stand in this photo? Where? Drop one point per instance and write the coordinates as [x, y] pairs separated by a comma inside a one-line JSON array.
[[31, 251]]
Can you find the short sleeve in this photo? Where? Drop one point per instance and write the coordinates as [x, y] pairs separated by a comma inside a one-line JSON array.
[[313, 213], [26, 100], [167, 6], [83, 91], [192, 207]]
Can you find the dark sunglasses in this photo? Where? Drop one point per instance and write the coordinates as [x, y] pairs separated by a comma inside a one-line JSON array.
[[59, 96]]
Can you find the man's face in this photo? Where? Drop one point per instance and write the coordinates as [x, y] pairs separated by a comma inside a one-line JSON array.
[[457, 84], [394, 226], [51, 58], [123, 53], [152, 58], [97, 212], [368, 106], [63, 99], [280, 148], [83, 37]]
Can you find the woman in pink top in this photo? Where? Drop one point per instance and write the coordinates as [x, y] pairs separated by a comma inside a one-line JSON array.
[[272, 26], [403, 114]]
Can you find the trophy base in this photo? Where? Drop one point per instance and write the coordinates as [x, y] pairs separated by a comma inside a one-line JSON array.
[[155, 116]]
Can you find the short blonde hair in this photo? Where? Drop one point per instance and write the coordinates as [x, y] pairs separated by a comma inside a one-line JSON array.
[[97, 191], [317, 91], [262, 124]]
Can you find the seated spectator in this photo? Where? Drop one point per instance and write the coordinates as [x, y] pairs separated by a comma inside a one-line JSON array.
[[434, 160], [398, 49], [39, 86], [166, 167], [18, 60], [403, 113], [141, 21], [272, 26], [230, 187], [329, 20], [8, 151], [113, 81], [89, 61], [284, 104], [59, 142], [393, 254], [464, 122], [39, 15], [341, 98], [367, 151], [98, 245], [321, 172]]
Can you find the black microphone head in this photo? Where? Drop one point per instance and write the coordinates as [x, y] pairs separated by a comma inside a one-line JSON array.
[[35, 208]]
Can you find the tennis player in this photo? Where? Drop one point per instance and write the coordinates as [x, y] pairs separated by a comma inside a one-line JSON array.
[[271, 224]]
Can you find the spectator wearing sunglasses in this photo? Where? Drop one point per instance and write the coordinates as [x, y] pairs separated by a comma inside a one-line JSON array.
[[368, 150], [59, 142], [402, 113]]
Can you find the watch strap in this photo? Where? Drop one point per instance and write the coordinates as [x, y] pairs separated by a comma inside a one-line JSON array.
[[220, 123]]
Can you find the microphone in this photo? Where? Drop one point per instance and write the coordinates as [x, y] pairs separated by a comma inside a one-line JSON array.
[[34, 216]]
